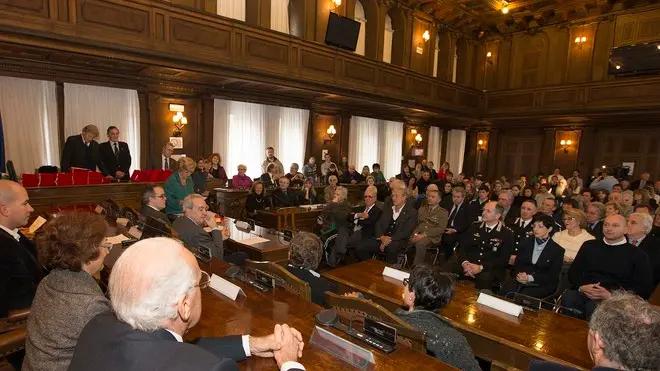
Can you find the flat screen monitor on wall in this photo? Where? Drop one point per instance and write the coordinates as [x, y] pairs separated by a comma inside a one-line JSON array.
[[342, 32]]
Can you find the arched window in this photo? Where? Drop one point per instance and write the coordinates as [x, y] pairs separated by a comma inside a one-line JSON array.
[[231, 9], [362, 37], [387, 40], [279, 15]]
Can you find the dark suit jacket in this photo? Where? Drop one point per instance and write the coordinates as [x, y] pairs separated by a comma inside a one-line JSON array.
[[268, 183], [347, 177], [512, 215], [107, 344], [462, 222], [279, 199], [368, 224], [194, 236], [635, 185], [20, 272], [596, 231], [157, 163], [405, 224], [318, 285], [147, 212], [651, 246], [548, 266], [76, 152], [114, 164]]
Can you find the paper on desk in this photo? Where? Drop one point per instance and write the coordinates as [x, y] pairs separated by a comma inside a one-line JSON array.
[[253, 240], [225, 287], [395, 273], [115, 240], [36, 224], [499, 304]]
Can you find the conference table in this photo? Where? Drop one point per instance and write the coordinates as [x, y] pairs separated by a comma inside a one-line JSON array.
[[261, 244], [507, 341], [258, 312]]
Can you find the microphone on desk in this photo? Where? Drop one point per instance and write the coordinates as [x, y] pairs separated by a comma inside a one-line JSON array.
[[525, 300]]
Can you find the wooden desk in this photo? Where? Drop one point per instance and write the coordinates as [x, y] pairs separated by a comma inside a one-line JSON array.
[[493, 336], [258, 313], [275, 250], [306, 219]]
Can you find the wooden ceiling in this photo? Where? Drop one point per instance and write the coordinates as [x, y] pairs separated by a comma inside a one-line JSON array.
[[483, 18]]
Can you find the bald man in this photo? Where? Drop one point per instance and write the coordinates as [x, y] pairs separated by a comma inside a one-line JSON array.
[[20, 271], [603, 266], [155, 289]]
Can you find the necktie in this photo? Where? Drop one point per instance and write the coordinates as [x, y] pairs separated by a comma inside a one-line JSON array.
[[166, 165], [453, 215], [116, 151], [488, 229]]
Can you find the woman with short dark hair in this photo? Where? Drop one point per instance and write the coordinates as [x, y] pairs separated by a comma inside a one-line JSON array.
[[72, 246], [426, 292], [305, 255]]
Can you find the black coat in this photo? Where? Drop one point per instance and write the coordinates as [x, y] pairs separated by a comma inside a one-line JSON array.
[[651, 246], [597, 230], [547, 268], [157, 163], [318, 285], [347, 177], [405, 224], [20, 272], [256, 202], [148, 212], [462, 221], [281, 199], [520, 235], [492, 250], [268, 182], [77, 154], [512, 215], [369, 224], [113, 163]]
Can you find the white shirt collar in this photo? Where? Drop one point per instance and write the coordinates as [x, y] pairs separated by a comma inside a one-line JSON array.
[[396, 214], [639, 240], [176, 336], [83, 139], [113, 143], [621, 242], [152, 207], [13, 233]]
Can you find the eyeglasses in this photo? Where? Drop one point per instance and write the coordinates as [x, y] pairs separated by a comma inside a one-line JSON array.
[[204, 281], [160, 196], [406, 281], [568, 219]]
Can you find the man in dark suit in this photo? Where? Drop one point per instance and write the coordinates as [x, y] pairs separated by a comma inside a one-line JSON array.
[[623, 335], [83, 151], [20, 271], [165, 160], [153, 201], [115, 156], [459, 221], [511, 212], [283, 196], [595, 215], [522, 227], [643, 180], [392, 231], [156, 296], [351, 176], [638, 228]]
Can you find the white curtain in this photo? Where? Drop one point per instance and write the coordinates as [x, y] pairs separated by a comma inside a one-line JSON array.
[[387, 41], [232, 9], [29, 121], [279, 15], [435, 146], [362, 36], [104, 107], [455, 150], [371, 141], [242, 131], [435, 56]]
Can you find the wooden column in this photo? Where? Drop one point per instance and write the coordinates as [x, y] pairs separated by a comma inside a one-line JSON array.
[[546, 162], [493, 145]]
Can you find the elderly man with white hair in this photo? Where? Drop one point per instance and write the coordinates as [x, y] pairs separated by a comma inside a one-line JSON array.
[[638, 228], [155, 290]]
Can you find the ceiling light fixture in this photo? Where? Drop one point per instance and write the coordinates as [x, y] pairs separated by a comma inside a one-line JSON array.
[[505, 7]]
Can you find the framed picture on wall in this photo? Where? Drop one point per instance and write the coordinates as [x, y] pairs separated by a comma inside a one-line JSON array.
[[177, 142], [630, 166], [417, 152]]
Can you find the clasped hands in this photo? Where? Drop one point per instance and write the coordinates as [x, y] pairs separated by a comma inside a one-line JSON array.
[[522, 277], [595, 291], [384, 241], [285, 344], [417, 237], [470, 269]]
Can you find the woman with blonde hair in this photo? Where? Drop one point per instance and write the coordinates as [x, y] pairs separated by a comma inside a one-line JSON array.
[[216, 170], [179, 185], [575, 234]]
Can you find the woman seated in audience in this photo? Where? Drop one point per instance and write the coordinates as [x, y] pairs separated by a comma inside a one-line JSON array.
[[295, 177], [72, 247], [256, 199], [602, 195], [270, 177], [627, 198], [329, 191], [365, 172], [334, 218], [442, 172], [538, 263], [179, 185], [417, 173], [308, 196], [200, 176], [405, 174], [370, 181], [413, 192], [240, 180], [445, 196], [305, 255], [613, 208], [333, 170], [528, 193], [575, 234], [425, 293], [573, 188], [216, 170], [641, 196]]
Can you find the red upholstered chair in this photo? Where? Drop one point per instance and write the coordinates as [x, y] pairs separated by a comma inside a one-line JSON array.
[[105, 180], [155, 175], [164, 175], [30, 180], [137, 176], [94, 177], [80, 176], [147, 175], [64, 179], [47, 180]]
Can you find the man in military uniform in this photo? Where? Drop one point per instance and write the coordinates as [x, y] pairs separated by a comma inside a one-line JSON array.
[[484, 250], [522, 227], [431, 224]]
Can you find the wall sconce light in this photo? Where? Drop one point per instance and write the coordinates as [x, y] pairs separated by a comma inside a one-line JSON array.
[[331, 131], [179, 122], [426, 36], [505, 7], [481, 145], [489, 54], [618, 66], [418, 138], [413, 131], [565, 144], [336, 3]]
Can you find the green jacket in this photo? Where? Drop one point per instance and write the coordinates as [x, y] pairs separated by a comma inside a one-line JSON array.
[[176, 192]]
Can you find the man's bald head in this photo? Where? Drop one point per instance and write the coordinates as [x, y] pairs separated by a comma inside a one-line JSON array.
[[614, 228], [149, 281], [9, 190], [15, 207]]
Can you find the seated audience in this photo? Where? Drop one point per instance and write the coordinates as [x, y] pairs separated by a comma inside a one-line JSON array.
[[413, 192], [417, 172], [637, 230], [655, 231], [573, 188], [605, 181], [595, 215], [392, 230], [329, 191], [309, 170], [458, 223], [271, 159], [295, 177], [370, 181], [155, 290], [284, 196], [82, 151], [256, 199], [325, 166], [643, 208], [270, 177], [216, 170], [442, 172], [308, 196], [333, 170], [20, 271], [405, 174], [425, 293], [644, 179], [378, 175], [153, 201], [200, 176], [335, 214], [549, 207], [484, 250], [627, 198], [165, 160], [511, 213], [305, 255], [624, 332], [538, 263], [602, 195], [240, 180], [365, 172], [523, 228], [432, 171], [572, 238], [116, 156], [179, 185], [615, 196], [641, 196], [190, 228], [613, 208], [351, 176], [342, 167], [359, 229], [424, 182], [602, 266], [72, 246], [431, 224], [476, 206]]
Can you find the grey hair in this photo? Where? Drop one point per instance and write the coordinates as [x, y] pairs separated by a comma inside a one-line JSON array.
[[499, 208], [343, 191], [295, 165], [647, 221], [188, 202], [144, 295], [509, 194], [630, 330], [600, 207], [306, 250], [372, 190]]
